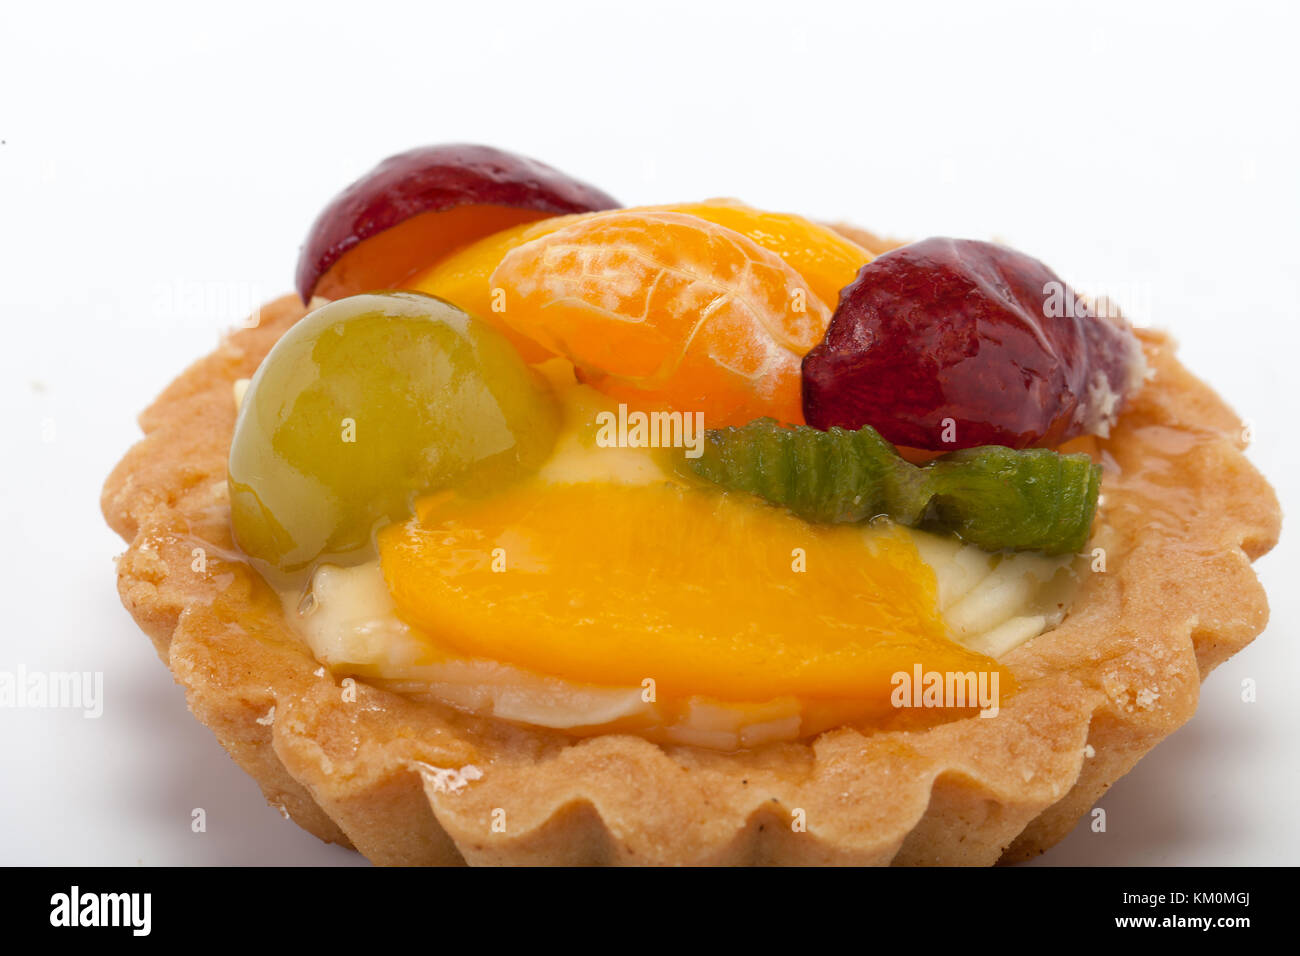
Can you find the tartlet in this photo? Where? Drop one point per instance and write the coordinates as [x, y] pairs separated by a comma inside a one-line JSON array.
[[411, 781]]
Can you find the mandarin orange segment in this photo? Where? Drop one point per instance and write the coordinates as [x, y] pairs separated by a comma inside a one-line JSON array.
[[827, 260], [697, 591], [668, 308], [464, 278]]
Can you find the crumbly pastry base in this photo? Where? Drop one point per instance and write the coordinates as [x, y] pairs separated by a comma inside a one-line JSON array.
[[407, 782]]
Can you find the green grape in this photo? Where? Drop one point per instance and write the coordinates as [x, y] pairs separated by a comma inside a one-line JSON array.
[[993, 497], [366, 403]]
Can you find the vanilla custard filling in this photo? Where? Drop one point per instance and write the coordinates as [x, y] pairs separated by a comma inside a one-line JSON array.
[[991, 603]]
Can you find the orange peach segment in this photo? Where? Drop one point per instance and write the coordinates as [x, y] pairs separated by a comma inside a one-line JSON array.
[[702, 593], [388, 260]]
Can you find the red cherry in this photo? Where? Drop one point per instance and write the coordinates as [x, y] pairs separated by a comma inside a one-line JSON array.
[[952, 343], [415, 207]]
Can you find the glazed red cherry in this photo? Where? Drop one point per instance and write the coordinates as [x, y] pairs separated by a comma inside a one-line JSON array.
[[952, 343], [416, 207]]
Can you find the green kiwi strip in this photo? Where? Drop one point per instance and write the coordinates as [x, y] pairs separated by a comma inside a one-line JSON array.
[[994, 497]]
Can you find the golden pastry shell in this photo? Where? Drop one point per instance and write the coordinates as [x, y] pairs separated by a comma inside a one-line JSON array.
[[408, 782]]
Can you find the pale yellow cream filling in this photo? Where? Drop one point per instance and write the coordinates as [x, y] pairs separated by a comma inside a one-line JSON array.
[[992, 603]]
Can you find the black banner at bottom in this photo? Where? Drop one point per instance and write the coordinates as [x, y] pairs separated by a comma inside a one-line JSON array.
[[338, 906]]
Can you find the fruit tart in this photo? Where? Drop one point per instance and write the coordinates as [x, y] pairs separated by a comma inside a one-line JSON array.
[[539, 530]]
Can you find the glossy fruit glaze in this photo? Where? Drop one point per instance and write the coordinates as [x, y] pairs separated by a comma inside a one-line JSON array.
[[950, 343]]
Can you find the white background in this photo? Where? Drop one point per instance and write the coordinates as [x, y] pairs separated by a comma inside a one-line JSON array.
[[160, 167]]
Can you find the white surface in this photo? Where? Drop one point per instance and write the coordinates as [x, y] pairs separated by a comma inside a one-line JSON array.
[[159, 169]]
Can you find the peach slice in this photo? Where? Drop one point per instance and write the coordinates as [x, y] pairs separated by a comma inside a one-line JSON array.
[[414, 208], [703, 593]]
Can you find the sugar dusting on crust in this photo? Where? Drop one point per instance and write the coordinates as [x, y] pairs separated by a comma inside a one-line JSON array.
[[1146, 698], [447, 779]]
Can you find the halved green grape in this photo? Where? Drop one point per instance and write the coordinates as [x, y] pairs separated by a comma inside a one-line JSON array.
[[993, 497], [367, 402]]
